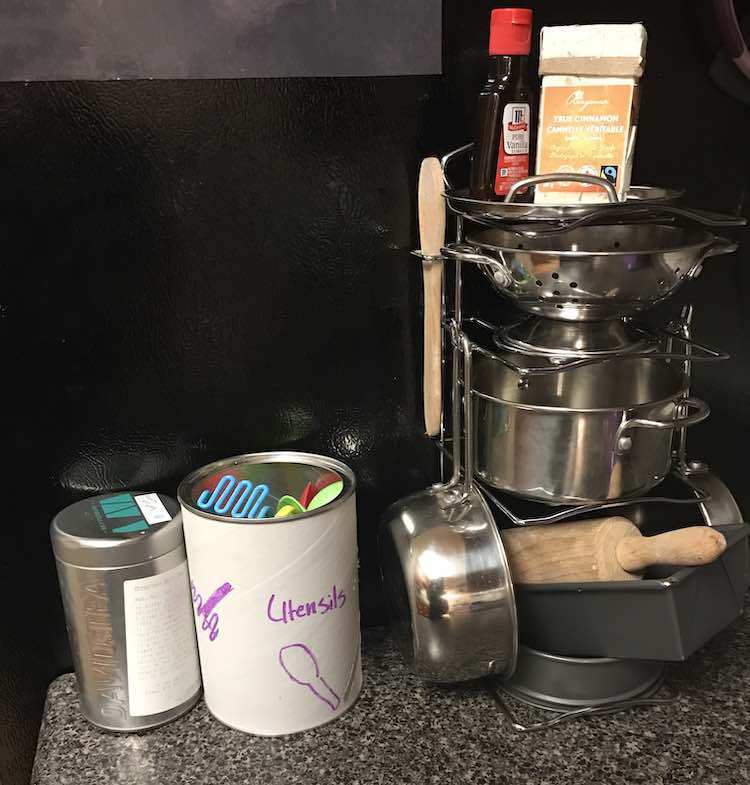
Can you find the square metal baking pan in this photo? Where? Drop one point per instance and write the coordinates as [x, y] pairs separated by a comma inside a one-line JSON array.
[[666, 616]]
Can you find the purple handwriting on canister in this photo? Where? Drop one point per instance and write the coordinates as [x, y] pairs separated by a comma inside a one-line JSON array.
[[289, 610], [206, 609]]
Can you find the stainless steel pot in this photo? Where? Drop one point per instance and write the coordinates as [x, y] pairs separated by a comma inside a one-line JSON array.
[[589, 434], [591, 273], [446, 575], [448, 585]]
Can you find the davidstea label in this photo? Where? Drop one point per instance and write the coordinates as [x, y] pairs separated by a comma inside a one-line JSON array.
[[127, 513]]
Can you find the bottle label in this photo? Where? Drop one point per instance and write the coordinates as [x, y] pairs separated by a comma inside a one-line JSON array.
[[513, 156]]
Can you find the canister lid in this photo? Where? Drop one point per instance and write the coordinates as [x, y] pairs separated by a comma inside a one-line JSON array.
[[117, 529]]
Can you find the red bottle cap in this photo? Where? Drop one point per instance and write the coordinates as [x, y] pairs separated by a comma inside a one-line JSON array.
[[510, 31]]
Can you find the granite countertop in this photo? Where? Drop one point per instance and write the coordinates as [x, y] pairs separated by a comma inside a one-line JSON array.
[[404, 731]]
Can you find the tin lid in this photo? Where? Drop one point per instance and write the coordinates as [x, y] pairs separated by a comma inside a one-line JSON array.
[[117, 529]]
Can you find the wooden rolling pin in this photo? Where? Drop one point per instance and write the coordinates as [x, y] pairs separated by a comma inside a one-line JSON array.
[[606, 549], [431, 239]]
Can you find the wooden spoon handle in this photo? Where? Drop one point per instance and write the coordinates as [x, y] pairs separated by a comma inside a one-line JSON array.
[[432, 377], [432, 238], [685, 547]]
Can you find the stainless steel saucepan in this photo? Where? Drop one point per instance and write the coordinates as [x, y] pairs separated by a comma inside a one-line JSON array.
[[588, 434], [446, 574]]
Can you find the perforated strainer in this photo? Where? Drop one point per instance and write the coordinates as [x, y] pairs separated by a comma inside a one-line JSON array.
[[591, 273]]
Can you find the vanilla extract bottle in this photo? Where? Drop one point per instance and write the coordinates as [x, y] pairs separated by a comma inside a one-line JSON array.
[[503, 132]]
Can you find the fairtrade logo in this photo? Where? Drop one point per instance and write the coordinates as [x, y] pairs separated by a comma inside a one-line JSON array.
[[609, 172]]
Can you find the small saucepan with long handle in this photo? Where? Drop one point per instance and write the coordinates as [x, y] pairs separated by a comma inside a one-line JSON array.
[[445, 572]]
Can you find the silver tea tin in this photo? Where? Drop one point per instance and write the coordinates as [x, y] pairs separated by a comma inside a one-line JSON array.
[[126, 593]]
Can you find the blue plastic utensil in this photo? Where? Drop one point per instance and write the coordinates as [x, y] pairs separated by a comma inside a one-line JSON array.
[[244, 499]]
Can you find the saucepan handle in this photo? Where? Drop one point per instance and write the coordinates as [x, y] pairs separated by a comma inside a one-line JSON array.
[[717, 247], [720, 246], [562, 177], [468, 253], [702, 410]]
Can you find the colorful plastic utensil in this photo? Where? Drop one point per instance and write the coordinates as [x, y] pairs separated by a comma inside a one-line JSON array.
[[285, 511], [289, 501], [307, 495], [327, 479], [326, 496], [244, 499]]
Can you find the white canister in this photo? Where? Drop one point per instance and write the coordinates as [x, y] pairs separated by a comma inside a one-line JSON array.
[[275, 599]]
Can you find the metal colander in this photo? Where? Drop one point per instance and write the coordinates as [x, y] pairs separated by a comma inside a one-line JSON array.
[[591, 273]]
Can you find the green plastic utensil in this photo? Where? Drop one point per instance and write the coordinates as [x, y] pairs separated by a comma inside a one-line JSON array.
[[290, 501], [326, 495]]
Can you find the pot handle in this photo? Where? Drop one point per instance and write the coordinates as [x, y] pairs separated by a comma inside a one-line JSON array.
[[448, 157], [685, 421], [719, 246], [467, 253], [562, 177]]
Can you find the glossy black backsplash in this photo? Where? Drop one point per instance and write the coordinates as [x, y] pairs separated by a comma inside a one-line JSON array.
[[192, 270]]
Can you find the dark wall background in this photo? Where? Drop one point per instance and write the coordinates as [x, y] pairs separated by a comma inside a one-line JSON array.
[[192, 270]]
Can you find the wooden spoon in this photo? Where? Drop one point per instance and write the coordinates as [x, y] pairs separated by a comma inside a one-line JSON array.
[[432, 238]]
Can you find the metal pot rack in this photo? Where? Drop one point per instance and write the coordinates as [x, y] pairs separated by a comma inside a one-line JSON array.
[[569, 360], [677, 333], [456, 443]]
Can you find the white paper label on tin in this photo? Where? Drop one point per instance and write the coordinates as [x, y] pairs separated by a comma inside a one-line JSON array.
[[152, 508], [160, 639]]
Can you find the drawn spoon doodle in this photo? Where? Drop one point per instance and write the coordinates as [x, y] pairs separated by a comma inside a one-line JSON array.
[[301, 667]]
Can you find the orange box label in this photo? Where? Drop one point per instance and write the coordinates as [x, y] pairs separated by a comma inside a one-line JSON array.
[[584, 128]]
